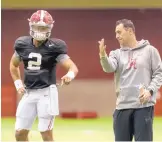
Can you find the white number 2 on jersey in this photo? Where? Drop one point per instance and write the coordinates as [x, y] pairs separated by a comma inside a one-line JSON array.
[[34, 65]]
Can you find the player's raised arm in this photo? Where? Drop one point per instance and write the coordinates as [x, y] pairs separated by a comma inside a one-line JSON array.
[[15, 73]]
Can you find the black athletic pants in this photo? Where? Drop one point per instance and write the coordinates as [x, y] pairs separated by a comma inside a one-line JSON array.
[[133, 122]]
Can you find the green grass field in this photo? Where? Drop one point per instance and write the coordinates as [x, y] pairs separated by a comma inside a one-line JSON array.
[[76, 130]]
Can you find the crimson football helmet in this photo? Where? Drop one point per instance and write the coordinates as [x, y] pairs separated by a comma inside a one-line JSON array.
[[41, 24]]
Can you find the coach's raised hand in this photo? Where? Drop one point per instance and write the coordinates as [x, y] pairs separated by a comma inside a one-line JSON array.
[[102, 48]]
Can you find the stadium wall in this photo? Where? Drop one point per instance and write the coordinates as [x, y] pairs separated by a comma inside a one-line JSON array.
[[81, 29], [68, 4]]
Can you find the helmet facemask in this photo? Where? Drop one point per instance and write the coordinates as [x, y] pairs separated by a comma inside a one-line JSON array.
[[40, 33]]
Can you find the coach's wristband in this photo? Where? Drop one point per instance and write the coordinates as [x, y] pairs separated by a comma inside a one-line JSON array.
[[18, 84], [71, 74]]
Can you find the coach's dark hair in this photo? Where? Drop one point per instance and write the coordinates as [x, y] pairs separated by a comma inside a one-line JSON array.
[[126, 23]]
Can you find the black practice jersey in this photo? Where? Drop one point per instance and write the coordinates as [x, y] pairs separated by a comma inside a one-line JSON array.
[[39, 62]]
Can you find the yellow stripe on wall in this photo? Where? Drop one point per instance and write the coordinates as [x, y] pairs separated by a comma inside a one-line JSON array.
[[81, 4]]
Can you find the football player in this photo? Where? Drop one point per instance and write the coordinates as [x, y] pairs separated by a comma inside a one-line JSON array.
[[40, 54]]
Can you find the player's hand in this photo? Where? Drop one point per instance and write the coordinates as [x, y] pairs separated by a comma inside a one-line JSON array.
[[21, 91], [65, 80], [102, 48], [144, 95]]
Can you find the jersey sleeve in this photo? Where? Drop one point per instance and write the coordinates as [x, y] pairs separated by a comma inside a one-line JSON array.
[[62, 54], [18, 46], [61, 47], [16, 49], [60, 50]]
